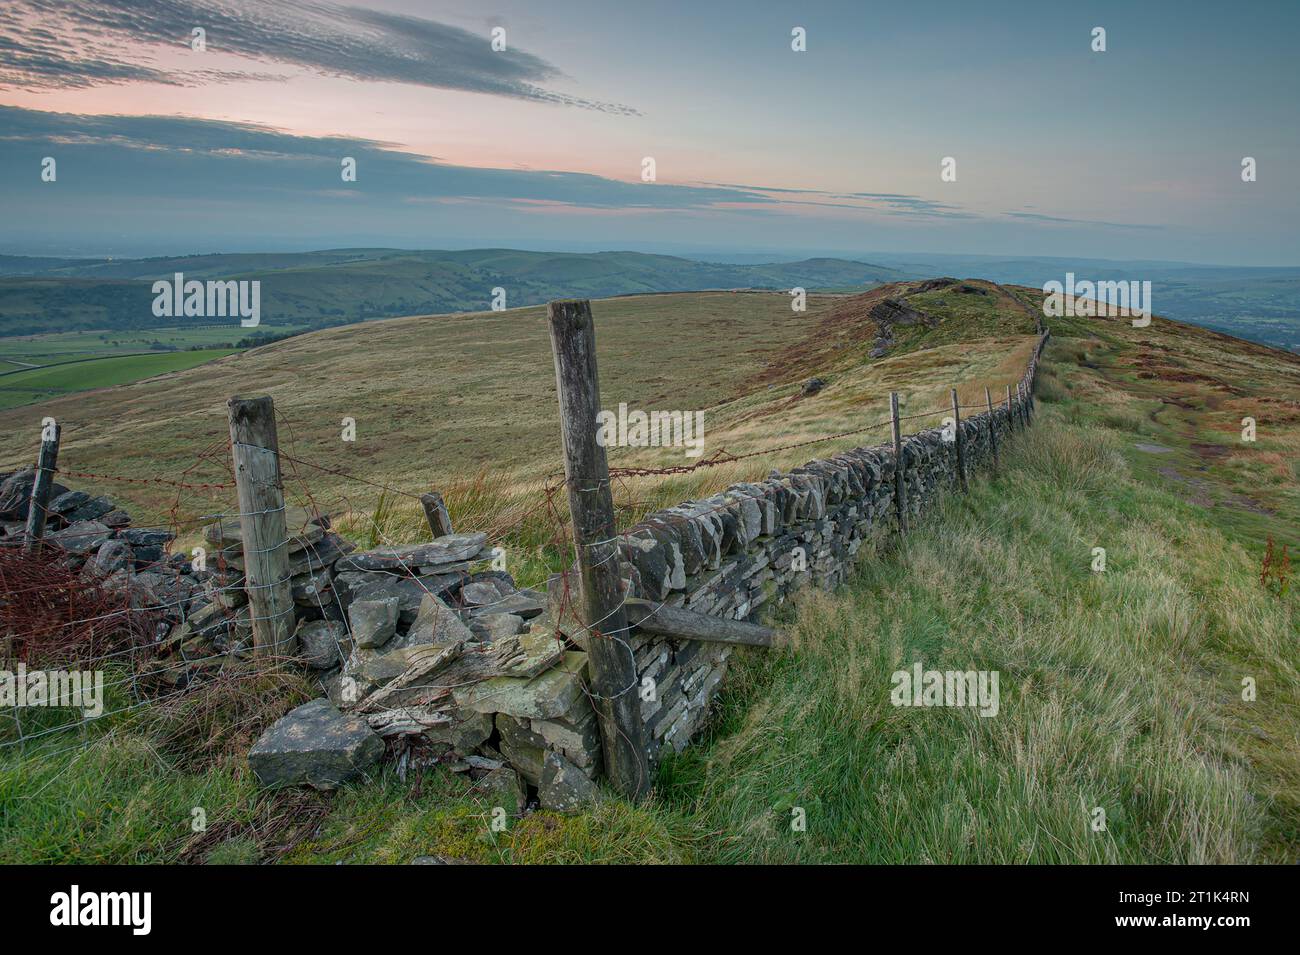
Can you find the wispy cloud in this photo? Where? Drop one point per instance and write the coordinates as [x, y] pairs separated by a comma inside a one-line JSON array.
[[1038, 217], [210, 159], [888, 203], [56, 44], [912, 205]]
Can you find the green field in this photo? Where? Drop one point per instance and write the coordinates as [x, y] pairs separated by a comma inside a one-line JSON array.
[[69, 377], [48, 349]]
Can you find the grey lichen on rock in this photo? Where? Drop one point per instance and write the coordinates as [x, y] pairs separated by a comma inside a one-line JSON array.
[[314, 745], [565, 787]]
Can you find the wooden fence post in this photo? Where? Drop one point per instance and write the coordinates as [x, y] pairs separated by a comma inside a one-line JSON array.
[[957, 440], [42, 483], [900, 486], [993, 427], [1020, 400], [256, 453], [435, 512], [1010, 417], [586, 471]]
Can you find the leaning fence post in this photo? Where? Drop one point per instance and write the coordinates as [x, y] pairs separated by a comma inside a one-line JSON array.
[[435, 512], [256, 453], [957, 440], [900, 486], [42, 483], [586, 472], [1010, 418], [993, 427]]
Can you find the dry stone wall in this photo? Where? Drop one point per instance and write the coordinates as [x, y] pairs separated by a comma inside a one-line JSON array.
[[755, 545]]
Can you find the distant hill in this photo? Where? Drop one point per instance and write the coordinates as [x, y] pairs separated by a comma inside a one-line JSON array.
[[339, 286]]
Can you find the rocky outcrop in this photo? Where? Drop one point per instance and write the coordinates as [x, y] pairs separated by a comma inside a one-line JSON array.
[[896, 311]]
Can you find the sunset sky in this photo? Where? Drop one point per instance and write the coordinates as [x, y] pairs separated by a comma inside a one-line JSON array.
[[1131, 153]]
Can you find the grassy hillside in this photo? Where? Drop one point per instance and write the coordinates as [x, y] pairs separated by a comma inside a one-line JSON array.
[[348, 285], [1120, 690], [1258, 303], [466, 403]]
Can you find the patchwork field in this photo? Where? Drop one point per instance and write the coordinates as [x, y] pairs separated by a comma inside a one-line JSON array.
[[31, 387]]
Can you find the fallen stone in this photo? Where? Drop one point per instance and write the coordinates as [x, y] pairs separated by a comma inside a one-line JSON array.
[[564, 787], [314, 745], [436, 623], [480, 593], [81, 537], [525, 749], [410, 591], [503, 787], [491, 627], [374, 622], [112, 556], [313, 589], [323, 642]]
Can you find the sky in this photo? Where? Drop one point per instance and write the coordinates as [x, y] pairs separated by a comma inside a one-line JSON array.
[[1131, 153]]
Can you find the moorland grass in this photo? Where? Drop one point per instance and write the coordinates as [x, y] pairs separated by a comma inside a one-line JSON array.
[[1119, 691]]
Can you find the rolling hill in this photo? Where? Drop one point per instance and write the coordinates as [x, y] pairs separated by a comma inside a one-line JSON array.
[[442, 400], [346, 285]]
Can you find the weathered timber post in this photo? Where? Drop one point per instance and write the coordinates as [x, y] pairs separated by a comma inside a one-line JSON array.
[[1020, 397], [256, 453], [435, 512], [42, 482], [993, 427], [586, 471], [900, 486], [1010, 418], [957, 440]]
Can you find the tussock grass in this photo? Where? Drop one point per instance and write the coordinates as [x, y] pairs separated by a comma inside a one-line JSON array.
[[1107, 697]]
